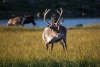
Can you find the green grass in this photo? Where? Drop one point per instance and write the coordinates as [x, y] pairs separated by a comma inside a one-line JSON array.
[[24, 47]]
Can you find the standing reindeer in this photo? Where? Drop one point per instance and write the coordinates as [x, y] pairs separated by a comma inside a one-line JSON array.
[[54, 32], [20, 21]]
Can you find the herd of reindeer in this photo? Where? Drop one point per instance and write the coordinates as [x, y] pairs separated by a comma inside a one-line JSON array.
[[54, 32]]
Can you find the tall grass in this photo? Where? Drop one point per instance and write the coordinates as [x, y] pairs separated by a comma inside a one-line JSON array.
[[24, 47]]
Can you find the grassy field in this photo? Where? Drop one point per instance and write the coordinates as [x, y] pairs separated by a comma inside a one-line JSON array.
[[24, 47]]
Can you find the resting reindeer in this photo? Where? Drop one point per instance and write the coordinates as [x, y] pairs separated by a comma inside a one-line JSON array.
[[54, 32], [20, 21]]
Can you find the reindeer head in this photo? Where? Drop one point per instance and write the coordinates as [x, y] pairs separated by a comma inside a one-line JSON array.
[[54, 20]]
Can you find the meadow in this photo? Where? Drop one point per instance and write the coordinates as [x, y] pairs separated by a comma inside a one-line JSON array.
[[24, 47]]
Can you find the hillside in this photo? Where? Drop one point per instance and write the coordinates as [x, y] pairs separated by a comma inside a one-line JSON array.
[[72, 8]]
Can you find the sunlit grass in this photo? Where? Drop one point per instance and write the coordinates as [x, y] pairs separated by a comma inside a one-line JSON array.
[[24, 47]]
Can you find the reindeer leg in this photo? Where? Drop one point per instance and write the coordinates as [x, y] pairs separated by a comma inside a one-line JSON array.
[[64, 40], [47, 46], [65, 45], [52, 46], [62, 45], [34, 24], [22, 24]]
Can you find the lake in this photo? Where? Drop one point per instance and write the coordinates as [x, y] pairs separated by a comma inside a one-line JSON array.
[[67, 22]]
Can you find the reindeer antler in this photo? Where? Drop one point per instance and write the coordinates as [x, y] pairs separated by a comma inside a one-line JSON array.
[[45, 13], [60, 13], [62, 21]]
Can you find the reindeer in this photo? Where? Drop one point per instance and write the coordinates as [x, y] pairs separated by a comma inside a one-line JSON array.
[[54, 32], [20, 21]]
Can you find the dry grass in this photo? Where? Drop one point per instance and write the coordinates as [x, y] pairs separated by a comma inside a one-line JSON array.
[[22, 48]]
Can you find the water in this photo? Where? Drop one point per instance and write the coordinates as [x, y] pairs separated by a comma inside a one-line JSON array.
[[67, 22]]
